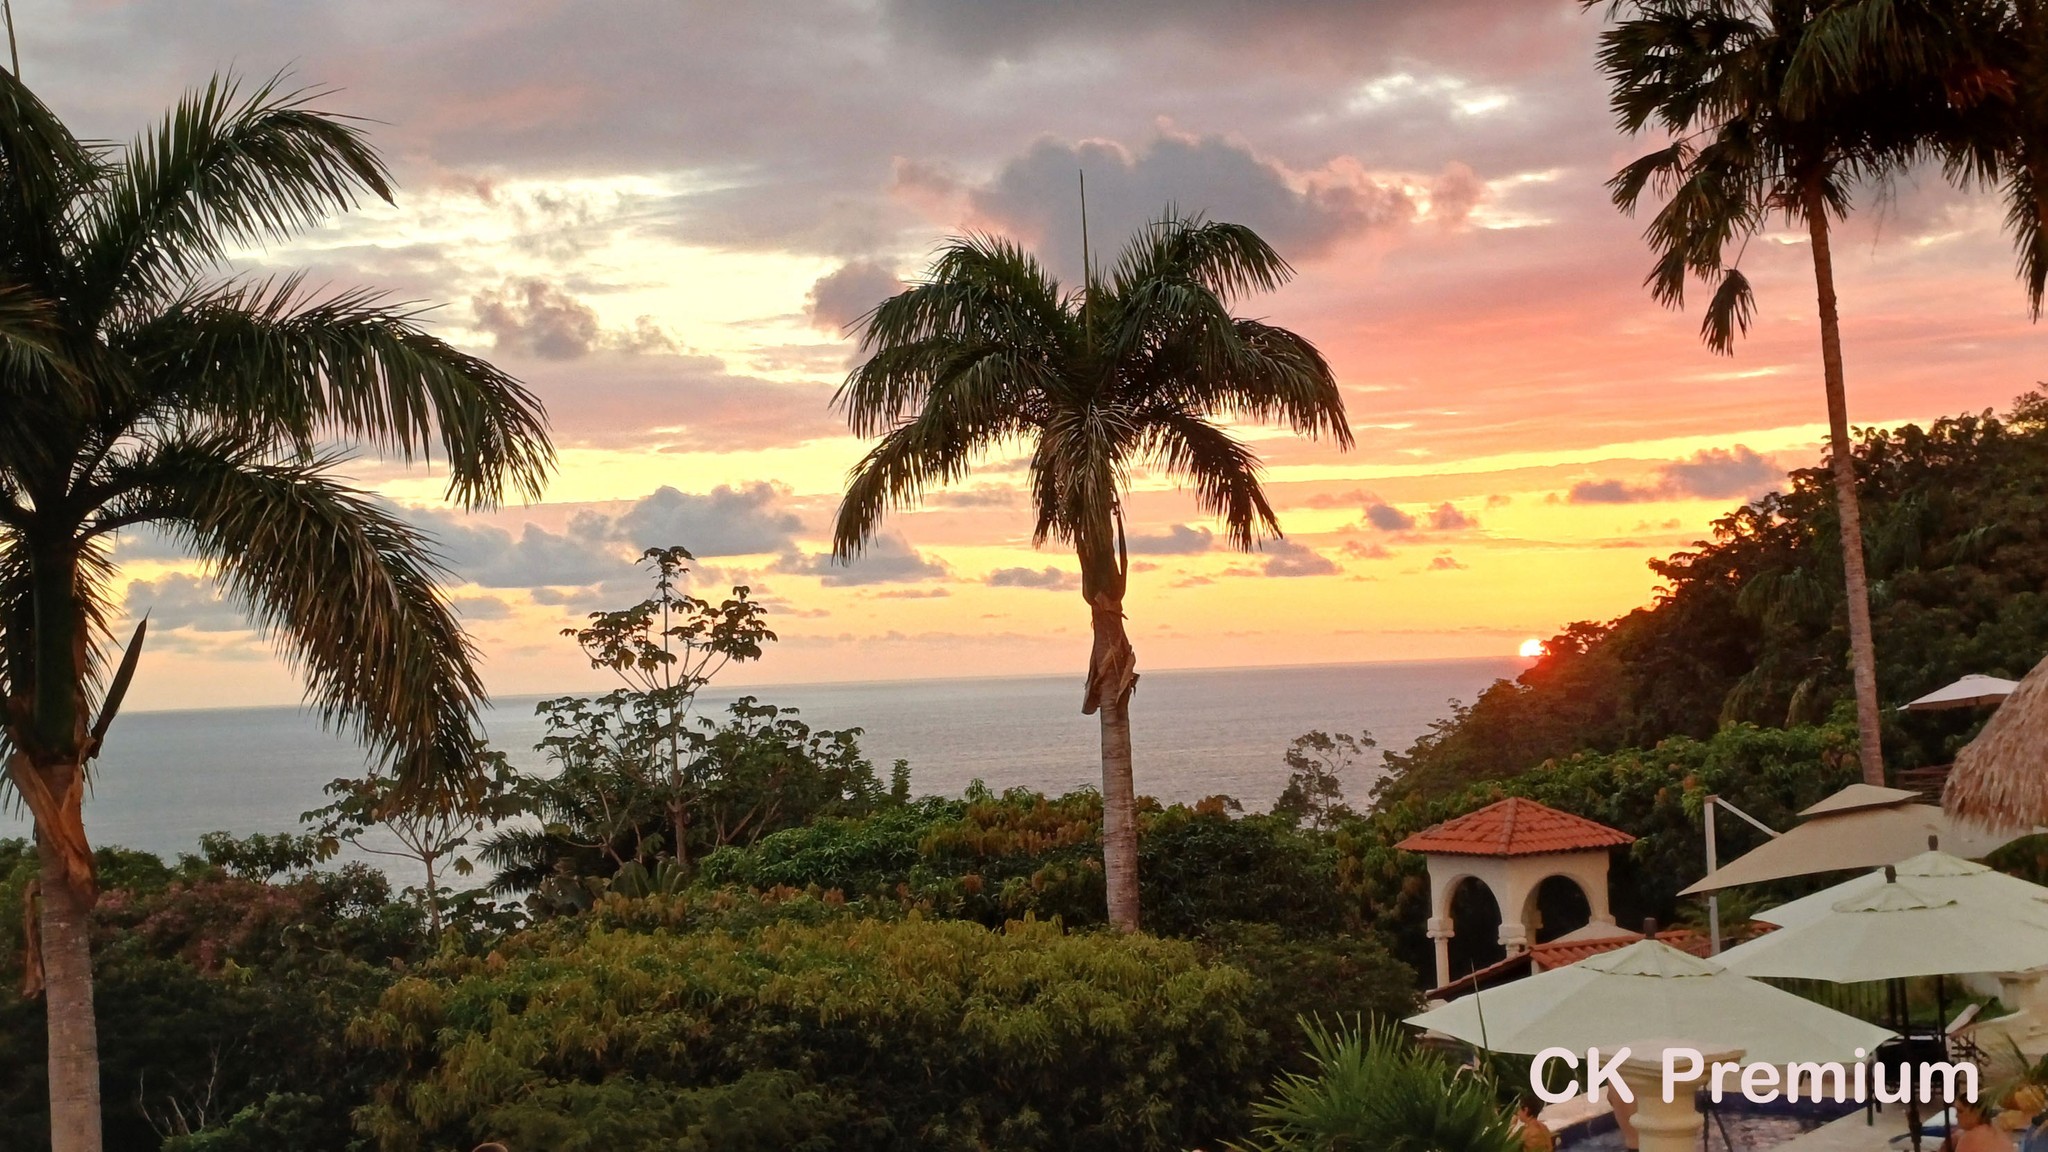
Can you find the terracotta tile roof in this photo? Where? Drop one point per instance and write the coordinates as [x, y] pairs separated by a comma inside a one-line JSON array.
[[1559, 953], [1515, 827]]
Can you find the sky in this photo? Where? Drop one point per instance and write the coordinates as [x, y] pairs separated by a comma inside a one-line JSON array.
[[662, 215]]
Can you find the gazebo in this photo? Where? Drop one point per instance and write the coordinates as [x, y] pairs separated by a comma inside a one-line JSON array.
[[1512, 847]]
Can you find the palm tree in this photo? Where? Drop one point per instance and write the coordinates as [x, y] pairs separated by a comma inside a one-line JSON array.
[[1130, 371], [144, 383], [1773, 108]]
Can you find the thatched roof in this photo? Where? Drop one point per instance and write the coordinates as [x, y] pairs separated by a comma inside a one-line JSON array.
[[2001, 777]]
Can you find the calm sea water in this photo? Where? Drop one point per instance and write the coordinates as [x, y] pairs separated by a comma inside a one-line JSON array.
[[165, 778]]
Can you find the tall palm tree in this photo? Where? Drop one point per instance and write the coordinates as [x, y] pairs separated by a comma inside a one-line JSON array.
[[1767, 119], [1130, 371], [144, 383]]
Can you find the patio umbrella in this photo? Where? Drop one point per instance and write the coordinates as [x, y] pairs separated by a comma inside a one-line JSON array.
[[1892, 931], [1651, 989], [1971, 885], [1862, 826], [1971, 691], [2001, 777]]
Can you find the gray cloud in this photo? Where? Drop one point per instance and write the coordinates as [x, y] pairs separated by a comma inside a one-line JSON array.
[[177, 601], [1036, 195], [533, 317], [1179, 540], [842, 296], [1286, 558], [1709, 474], [727, 521], [888, 559], [537, 318], [1717, 472], [1447, 518], [1388, 518], [1050, 579], [595, 548]]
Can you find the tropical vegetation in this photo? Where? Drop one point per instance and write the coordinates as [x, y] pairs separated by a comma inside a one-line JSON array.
[[147, 384], [1140, 366]]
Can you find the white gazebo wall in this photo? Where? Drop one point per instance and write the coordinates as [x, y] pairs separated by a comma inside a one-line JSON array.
[[1513, 880]]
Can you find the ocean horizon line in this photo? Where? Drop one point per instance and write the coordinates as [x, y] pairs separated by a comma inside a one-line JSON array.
[[766, 686]]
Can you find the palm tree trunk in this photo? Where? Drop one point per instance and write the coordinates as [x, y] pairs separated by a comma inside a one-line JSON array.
[[1862, 653], [74, 1063], [1112, 675]]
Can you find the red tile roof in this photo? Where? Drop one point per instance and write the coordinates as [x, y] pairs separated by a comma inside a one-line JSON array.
[[1515, 827], [1559, 953]]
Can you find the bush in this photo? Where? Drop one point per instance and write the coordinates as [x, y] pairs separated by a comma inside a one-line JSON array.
[[889, 1034]]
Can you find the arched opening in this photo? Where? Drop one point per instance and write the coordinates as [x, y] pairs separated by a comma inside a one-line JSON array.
[[1557, 907], [1475, 916]]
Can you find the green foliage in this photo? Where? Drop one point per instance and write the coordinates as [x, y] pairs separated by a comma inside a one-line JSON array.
[[641, 780], [1655, 794], [1377, 1089], [903, 1033], [1316, 766], [1750, 625], [223, 986]]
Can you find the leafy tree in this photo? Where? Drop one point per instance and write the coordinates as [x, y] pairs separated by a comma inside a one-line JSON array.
[[145, 383], [1131, 370], [1765, 118], [1316, 766], [816, 1027], [428, 827], [1378, 1089], [1747, 625]]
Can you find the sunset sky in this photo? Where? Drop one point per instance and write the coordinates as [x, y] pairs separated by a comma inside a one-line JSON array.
[[661, 215]]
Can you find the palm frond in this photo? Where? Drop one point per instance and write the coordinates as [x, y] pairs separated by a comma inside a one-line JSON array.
[[269, 359], [346, 589], [1222, 471], [43, 168], [1229, 260], [223, 169]]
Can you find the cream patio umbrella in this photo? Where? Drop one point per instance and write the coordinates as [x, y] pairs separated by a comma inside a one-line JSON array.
[[2001, 778], [1972, 691], [1862, 826], [1974, 887], [1892, 931], [1651, 989]]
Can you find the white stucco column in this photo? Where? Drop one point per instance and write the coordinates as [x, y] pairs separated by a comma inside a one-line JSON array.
[[1666, 1126], [1440, 932]]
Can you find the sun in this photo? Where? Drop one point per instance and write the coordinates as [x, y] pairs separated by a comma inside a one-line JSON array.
[[1532, 649]]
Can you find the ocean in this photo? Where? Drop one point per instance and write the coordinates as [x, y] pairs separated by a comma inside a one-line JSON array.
[[166, 778]]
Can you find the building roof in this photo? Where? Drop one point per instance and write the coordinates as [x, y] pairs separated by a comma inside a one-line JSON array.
[[1515, 827], [1557, 954]]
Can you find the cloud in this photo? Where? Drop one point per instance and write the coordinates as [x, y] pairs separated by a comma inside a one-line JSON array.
[[1608, 492], [1049, 579], [537, 318], [492, 557], [181, 602], [727, 521], [594, 547], [1709, 474], [1286, 558], [1301, 213], [1445, 562], [1365, 550], [888, 559], [1716, 473], [1447, 518], [841, 297], [981, 496], [534, 317], [1388, 518], [481, 608], [1179, 540]]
